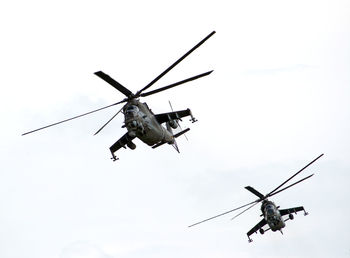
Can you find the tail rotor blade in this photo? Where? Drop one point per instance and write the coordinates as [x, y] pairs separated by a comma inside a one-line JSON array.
[[69, 119], [172, 110], [177, 62], [182, 130], [171, 106]]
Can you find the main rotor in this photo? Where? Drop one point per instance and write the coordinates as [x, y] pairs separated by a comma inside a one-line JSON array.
[[261, 196], [140, 93]]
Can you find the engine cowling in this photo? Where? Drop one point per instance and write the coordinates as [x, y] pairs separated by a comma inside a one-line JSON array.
[[131, 145], [173, 124], [262, 231], [291, 216]]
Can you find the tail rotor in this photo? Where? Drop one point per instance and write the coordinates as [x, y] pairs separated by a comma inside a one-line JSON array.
[[177, 120]]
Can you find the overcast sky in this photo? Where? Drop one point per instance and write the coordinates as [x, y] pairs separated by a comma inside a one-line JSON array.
[[278, 98]]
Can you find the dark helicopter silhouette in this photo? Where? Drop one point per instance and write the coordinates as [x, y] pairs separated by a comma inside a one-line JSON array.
[[272, 214], [139, 119]]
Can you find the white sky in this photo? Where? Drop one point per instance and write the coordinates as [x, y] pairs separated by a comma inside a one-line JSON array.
[[279, 97]]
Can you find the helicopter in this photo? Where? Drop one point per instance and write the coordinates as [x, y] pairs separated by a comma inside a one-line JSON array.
[[272, 214], [139, 119]]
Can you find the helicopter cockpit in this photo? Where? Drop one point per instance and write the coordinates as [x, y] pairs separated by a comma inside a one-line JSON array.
[[131, 111], [132, 120], [132, 108], [273, 217], [271, 212], [270, 209]]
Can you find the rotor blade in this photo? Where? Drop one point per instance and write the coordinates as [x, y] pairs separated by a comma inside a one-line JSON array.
[[109, 121], [175, 84], [252, 190], [269, 194], [114, 83], [174, 64], [66, 120], [223, 213], [245, 210], [291, 185]]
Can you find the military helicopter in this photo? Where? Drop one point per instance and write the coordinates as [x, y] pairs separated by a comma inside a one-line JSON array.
[[139, 119], [272, 215]]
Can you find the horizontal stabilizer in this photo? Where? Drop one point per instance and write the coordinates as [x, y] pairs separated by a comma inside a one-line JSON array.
[[175, 136], [181, 133]]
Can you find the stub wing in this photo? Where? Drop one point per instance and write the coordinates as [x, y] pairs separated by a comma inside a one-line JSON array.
[[291, 210], [124, 140], [167, 117], [256, 227]]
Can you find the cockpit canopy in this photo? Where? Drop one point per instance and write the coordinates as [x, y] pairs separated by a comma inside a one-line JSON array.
[[269, 209], [131, 109]]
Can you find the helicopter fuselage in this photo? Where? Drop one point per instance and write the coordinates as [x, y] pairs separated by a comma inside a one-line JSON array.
[[141, 123], [272, 216]]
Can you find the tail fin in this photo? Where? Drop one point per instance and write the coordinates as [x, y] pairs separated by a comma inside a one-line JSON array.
[[168, 127], [176, 147], [177, 121]]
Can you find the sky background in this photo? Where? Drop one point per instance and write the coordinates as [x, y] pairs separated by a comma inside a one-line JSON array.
[[278, 97]]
